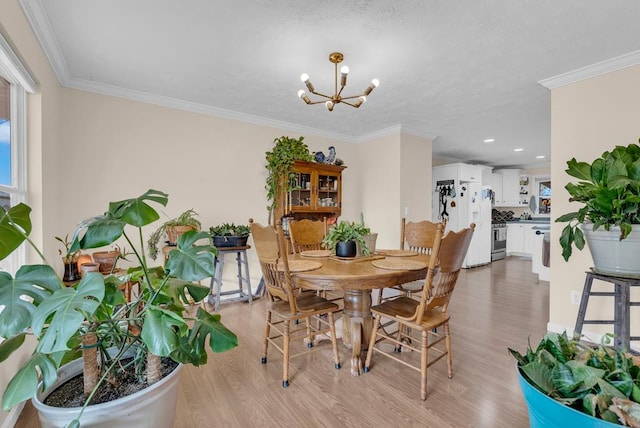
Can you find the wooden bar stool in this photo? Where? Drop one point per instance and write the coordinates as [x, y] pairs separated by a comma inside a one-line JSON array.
[[216, 280], [622, 303]]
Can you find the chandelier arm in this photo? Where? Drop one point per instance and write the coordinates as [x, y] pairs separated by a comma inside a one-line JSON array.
[[348, 103], [322, 95], [317, 102], [352, 97]]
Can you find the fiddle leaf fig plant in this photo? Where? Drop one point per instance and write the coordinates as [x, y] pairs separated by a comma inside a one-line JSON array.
[[609, 191], [69, 322]]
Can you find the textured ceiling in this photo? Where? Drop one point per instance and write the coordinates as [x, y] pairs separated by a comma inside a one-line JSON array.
[[462, 71]]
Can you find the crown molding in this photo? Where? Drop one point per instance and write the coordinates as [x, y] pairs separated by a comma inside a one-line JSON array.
[[392, 130], [593, 70], [13, 68], [39, 22]]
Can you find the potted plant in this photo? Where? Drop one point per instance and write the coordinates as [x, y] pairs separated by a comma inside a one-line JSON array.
[[70, 260], [342, 238], [173, 228], [569, 383], [230, 235], [609, 191], [118, 340], [280, 161]]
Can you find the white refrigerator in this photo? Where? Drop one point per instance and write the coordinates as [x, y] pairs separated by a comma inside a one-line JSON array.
[[464, 203]]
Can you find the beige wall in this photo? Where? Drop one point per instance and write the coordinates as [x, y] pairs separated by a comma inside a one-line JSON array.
[[43, 133], [587, 118]]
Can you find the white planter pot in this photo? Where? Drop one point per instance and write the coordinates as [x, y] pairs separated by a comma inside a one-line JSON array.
[[154, 406], [611, 256]]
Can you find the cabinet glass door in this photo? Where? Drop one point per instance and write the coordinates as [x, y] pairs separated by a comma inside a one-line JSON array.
[[328, 195], [300, 197]]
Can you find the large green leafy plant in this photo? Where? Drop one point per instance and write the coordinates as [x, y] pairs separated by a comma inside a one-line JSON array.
[[280, 162], [91, 315], [609, 189], [602, 382]]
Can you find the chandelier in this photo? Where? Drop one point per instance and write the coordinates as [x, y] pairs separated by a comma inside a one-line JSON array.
[[336, 98]]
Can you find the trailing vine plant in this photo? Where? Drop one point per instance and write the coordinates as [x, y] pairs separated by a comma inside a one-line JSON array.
[[280, 161]]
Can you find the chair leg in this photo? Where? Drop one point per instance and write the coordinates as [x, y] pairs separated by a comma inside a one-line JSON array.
[[285, 357], [309, 334], [267, 331], [424, 359], [447, 341], [372, 341], [334, 340]]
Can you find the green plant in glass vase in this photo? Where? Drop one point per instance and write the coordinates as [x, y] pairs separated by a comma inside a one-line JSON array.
[[92, 318]]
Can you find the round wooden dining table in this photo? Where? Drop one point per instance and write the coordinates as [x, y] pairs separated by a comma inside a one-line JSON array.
[[356, 277]]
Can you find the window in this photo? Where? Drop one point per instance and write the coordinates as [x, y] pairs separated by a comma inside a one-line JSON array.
[[15, 82]]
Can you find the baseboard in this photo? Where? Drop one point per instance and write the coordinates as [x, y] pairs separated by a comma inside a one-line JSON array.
[[13, 415], [591, 337]]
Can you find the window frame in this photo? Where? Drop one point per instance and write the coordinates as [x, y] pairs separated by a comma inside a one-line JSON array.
[[21, 83]]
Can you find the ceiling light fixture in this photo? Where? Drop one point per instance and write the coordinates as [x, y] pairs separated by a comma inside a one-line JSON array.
[[540, 157], [336, 98], [489, 140], [518, 150]]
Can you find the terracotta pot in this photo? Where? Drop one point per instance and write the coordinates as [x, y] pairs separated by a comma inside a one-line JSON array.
[[175, 232], [106, 259], [89, 267]]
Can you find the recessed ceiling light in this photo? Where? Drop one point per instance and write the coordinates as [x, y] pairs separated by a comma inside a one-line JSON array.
[[540, 157], [518, 150], [489, 140]]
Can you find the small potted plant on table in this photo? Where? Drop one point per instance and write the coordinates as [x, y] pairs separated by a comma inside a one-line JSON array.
[[230, 235], [342, 238], [173, 228]]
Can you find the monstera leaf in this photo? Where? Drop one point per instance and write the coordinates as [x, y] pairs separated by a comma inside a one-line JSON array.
[[35, 281], [25, 382], [15, 226], [136, 211], [64, 311], [161, 330], [189, 261]]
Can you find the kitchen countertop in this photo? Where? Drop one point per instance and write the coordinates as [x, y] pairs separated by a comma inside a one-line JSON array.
[[544, 220]]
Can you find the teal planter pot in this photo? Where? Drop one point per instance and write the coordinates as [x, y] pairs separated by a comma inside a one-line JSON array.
[[545, 412]]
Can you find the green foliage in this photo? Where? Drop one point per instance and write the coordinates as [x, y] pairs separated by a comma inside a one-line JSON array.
[[346, 231], [187, 218], [597, 381], [230, 229], [609, 189], [156, 321], [280, 162]]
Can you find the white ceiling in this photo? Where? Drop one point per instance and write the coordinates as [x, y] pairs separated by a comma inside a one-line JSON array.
[[463, 71]]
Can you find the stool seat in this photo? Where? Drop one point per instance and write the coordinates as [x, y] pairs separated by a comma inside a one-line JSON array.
[[243, 277], [622, 303]]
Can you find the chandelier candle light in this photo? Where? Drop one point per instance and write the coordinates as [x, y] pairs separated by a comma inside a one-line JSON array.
[[336, 58]]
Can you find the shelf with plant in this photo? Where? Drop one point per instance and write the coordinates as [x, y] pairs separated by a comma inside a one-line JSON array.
[[230, 235], [173, 229]]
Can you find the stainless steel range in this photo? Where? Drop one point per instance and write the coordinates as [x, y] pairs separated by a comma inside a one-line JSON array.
[[498, 240]]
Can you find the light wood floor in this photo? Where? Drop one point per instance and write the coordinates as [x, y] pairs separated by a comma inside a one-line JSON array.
[[493, 307]]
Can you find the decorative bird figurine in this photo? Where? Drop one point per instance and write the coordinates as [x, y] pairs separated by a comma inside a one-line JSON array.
[[331, 157], [319, 157]]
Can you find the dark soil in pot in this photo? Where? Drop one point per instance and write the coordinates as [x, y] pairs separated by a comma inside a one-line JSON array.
[[70, 393]]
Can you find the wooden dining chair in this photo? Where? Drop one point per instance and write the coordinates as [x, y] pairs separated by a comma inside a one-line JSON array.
[[419, 237], [286, 304], [427, 314], [307, 234]]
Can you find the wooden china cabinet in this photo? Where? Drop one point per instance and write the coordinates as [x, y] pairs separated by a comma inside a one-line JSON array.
[[316, 193]]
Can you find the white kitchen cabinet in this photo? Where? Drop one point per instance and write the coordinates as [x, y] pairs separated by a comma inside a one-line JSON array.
[[470, 173], [510, 188], [520, 239], [496, 186]]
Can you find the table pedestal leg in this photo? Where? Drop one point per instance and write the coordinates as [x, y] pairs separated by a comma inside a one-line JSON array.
[[357, 325]]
